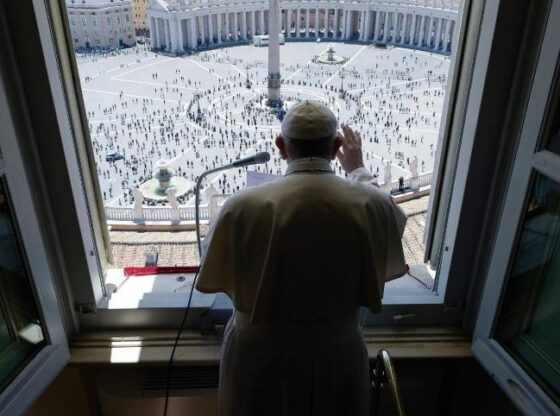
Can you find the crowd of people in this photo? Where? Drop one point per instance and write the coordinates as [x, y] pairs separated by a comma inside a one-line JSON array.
[[155, 110]]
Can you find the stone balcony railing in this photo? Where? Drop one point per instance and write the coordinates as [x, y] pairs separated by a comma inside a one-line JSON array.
[[209, 211]]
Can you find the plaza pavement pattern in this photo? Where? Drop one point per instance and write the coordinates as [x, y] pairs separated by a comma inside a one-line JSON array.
[[146, 105]]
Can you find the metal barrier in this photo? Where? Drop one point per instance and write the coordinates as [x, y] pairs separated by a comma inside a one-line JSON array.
[[384, 374]]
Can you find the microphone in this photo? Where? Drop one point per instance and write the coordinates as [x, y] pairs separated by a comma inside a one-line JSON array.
[[256, 159]]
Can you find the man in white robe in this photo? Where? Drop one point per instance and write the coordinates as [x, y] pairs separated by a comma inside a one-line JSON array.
[[298, 257]]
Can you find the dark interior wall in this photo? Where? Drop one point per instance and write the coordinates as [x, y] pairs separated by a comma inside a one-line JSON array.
[[440, 387]]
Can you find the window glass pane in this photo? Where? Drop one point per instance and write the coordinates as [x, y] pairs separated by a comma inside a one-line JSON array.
[[21, 333], [529, 322]]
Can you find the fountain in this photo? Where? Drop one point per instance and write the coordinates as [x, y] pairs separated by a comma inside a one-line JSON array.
[[163, 183], [330, 57]]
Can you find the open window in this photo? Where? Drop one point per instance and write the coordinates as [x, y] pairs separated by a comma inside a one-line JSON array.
[[33, 344], [120, 110], [517, 334]]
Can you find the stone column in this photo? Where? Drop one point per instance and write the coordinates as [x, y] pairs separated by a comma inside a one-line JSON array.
[[394, 28], [288, 23], [160, 30], [219, 28], [274, 80], [368, 26], [244, 25], [210, 30], [421, 33], [201, 27], [326, 30], [235, 27], [446, 36], [253, 24], [261, 22], [452, 27], [335, 25], [362, 25], [153, 35], [430, 31], [316, 23], [402, 32], [181, 48], [438, 34], [307, 12], [227, 28], [193, 36], [138, 210], [164, 34], [412, 39], [386, 27], [376, 32], [167, 36], [298, 19], [157, 41], [344, 21]]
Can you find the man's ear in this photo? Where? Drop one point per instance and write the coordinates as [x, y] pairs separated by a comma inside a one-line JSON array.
[[336, 146], [281, 147]]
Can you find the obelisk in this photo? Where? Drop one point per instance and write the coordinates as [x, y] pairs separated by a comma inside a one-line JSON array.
[[274, 54]]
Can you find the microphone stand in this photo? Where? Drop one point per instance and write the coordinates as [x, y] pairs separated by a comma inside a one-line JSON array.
[[197, 204], [185, 315], [259, 158]]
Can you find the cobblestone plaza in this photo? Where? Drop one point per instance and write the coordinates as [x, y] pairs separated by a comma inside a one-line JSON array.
[[207, 109]]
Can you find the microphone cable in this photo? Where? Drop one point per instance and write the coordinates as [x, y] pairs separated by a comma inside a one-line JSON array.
[[170, 363]]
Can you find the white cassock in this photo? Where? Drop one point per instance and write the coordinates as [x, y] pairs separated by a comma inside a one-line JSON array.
[[298, 257]]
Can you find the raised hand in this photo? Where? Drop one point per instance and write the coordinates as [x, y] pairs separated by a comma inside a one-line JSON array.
[[350, 154]]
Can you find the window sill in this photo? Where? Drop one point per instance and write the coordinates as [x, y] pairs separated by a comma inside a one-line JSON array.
[[152, 291], [152, 347], [172, 290]]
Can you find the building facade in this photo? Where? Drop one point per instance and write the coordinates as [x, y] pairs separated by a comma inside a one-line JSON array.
[[140, 16], [100, 24], [178, 26]]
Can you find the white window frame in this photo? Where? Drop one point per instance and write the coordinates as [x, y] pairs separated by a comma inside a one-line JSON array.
[[432, 305], [530, 159], [49, 361]]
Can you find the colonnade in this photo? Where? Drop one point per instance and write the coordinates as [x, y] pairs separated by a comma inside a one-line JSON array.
[[418, 27]]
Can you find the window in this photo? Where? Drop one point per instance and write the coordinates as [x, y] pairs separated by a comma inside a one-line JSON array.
[[517, 335], [94, 21], [33, 346], [109, 22], [118, 19], [84, 22], [127, 18], [407, 115], [121, 149], [72, 21]]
